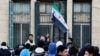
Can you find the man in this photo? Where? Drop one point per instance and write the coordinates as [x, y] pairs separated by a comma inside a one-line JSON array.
[[4, 51], [69, 43], [30, 40], [25, 52], [62, 51], [39, 51], [73, 51], [4, 45]]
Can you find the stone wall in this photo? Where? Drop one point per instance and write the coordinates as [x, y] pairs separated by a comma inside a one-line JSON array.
[[4, 20], [95, 23]]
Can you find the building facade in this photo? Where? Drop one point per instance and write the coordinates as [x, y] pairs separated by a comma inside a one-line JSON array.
[[19, 18]]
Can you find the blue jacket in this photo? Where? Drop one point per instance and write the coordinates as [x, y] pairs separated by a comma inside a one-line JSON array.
[[25, 52], [52, 49]]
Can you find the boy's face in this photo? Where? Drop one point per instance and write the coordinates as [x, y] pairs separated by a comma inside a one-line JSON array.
[[30, 37], [63, 53], [87, 54], [69, 41]]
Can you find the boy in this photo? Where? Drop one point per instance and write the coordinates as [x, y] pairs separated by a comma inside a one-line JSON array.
[[62, 51]]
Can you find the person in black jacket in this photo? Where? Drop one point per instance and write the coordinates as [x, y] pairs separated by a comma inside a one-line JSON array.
[[39, 51], [1, 53], [69, 43], [73, 51], [18, 49], [4, 49]]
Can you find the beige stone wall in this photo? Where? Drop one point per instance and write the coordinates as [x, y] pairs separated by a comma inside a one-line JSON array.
[[96, 23], [4, 18], [69, 15]]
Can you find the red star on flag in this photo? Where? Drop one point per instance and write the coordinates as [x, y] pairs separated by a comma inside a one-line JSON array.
[[53, 12], [59, 17], [65, 22]]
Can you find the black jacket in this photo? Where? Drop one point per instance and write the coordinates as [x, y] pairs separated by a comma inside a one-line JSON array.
[[5, 52]]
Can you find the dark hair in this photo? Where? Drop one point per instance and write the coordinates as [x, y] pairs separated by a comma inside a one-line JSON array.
[[31, 35], [61, 48], [73, 50], [96, 49], [46, 38], [27, 46], [3, 44], [90, 49], [40, 43], [70, 39]]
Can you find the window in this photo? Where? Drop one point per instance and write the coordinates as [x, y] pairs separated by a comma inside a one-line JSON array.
[[86, 7], [45, 7], [49, 8], [17, 8], [63, 7], [82, 7], [21, 1], [81, 22], [21, 8], [77, 7], [26, 8], [21, 32], [42, 7]]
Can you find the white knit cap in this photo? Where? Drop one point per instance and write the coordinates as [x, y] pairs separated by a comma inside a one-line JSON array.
[[59, 43]]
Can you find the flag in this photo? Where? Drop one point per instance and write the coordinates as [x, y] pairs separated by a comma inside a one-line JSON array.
[[58, 19]]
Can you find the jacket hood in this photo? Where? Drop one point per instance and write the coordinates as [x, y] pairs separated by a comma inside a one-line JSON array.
[[52, 49], [4, 47]]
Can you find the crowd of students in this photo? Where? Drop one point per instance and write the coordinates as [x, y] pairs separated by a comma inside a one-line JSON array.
[[46, 48]]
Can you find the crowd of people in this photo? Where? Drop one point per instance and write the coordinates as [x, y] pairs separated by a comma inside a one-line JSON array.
[[46, 48]]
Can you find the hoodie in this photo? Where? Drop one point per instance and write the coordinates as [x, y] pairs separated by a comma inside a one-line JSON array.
[[4, 47], [25, 52], [52, 49]]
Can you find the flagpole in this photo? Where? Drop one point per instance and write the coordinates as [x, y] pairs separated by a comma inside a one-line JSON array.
[[53, 28], [59, 29], [65, 16]]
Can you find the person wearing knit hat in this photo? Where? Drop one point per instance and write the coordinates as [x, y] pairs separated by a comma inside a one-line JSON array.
[[59, 43]]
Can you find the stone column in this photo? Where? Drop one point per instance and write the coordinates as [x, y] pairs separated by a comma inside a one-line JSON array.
[[4, 21], [69, 15], [32, 27]]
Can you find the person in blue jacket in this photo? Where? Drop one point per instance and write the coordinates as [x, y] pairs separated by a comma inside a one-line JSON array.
[[52, 49], [26, 51]]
